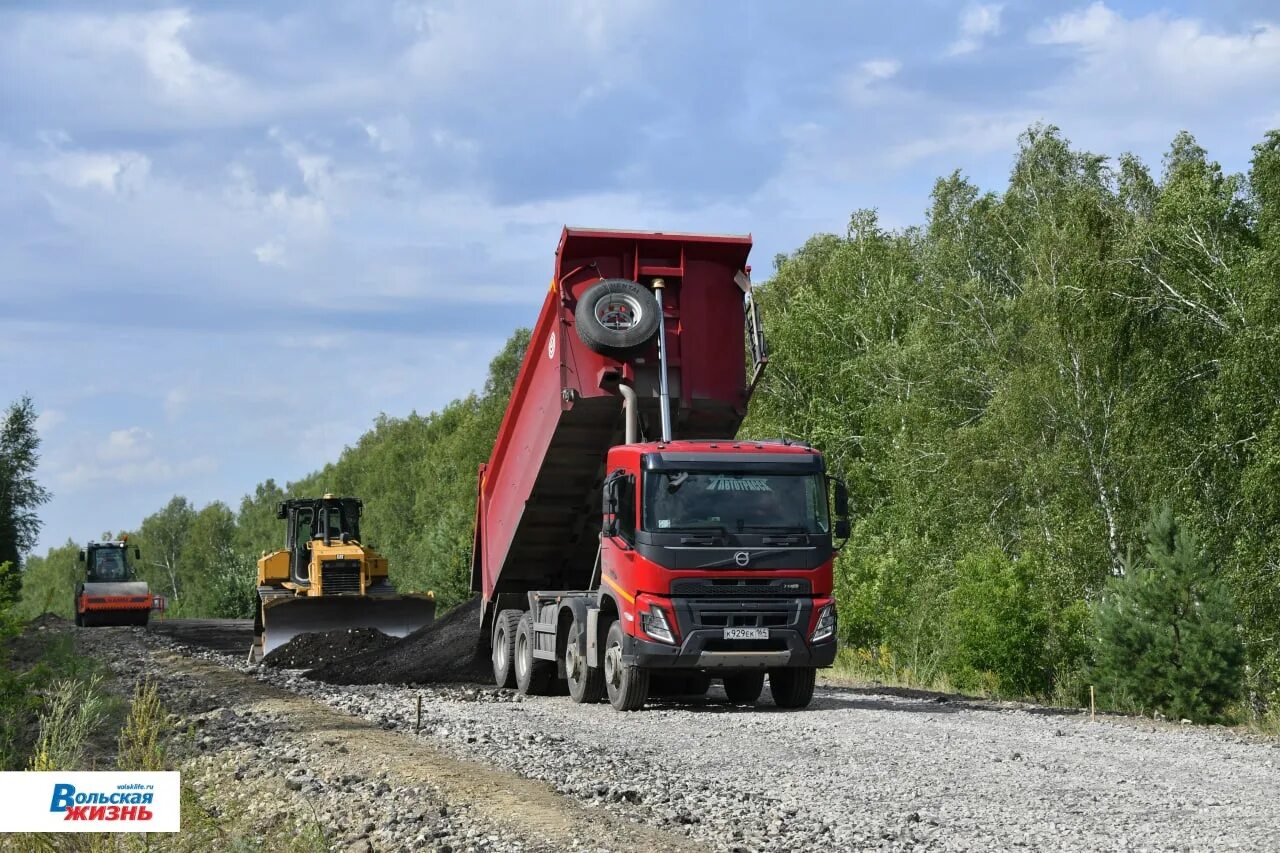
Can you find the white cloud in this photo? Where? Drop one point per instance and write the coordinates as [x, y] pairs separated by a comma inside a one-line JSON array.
[[880, 69], [152, 40], [175, 400], [968, 134], [125, 445], [109, 171], [977, 22], [168, 59], [270, 254], [866, 85], [48, 420], [126, 457], [1158, 60]]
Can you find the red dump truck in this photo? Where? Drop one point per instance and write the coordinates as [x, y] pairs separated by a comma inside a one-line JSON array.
[[625, 540]]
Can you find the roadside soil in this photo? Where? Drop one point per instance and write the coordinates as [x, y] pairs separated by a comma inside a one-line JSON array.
[[265, 755]]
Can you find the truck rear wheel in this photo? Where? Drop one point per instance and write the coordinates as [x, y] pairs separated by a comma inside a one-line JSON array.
[[534, 677], [792, 688], [504, 648], [628, 685], [586, 683], [744, 688], [616, 317]]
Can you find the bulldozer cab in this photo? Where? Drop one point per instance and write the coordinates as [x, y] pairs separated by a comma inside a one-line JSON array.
[[106, 563], [329, 519]]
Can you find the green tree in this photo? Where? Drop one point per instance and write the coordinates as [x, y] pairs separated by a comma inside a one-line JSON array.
[[1167, 633], [208, 559], [20, 494], [48, 582], [163, 537]]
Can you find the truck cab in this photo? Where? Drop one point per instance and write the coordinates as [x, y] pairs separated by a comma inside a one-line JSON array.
[[718, 555]]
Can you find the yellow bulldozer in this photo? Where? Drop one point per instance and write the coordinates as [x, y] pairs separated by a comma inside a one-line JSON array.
[[325, 579]]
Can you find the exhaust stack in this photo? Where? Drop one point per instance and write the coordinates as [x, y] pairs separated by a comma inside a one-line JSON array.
[[664, 399]]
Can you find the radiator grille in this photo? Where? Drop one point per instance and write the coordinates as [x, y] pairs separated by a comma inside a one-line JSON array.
[[741, 587], [341, 577]]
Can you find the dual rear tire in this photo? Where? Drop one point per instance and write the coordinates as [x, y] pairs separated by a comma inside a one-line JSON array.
[[627, 686], [534, 677], [515, 666]]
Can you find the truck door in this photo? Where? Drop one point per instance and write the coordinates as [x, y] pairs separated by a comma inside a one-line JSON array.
[[301, 526]]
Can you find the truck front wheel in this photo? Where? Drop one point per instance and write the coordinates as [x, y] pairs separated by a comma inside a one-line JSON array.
[[586, 683], [792, 688], [627, 685]]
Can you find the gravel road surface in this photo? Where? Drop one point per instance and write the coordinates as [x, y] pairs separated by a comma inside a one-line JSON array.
[[856, 770]]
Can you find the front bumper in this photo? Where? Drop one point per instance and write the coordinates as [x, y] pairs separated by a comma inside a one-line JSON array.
[[705, 649], [702, 621]]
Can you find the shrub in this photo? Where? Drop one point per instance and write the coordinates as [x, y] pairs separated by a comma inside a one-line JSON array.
[[1167, 638], [76, 709], [997, 627]]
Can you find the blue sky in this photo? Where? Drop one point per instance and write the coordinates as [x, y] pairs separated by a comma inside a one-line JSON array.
[[231, 235]]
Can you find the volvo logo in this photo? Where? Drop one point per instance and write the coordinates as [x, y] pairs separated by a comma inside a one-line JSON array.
[[742, 558]]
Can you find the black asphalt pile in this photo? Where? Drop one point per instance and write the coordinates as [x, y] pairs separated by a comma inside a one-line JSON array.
[[325, 647], [449, 649]]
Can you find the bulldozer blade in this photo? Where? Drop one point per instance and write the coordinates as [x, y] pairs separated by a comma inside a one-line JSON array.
[[286, 617]]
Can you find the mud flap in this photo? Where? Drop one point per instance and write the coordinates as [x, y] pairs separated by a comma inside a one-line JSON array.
[[285, 617]]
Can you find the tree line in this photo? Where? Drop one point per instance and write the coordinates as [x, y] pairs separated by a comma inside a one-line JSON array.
[[1052, 404], [1017, 388]]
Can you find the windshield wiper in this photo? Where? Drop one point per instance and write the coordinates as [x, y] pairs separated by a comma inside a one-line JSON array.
[[776, 528], [696, 528]]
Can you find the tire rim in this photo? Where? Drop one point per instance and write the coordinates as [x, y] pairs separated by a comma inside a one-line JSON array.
[[522, 665], [499, 650], [618, 312], [572, 660], [613, 665]]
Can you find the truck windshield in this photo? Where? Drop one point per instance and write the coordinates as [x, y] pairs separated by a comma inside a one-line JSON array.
[[735, 502]]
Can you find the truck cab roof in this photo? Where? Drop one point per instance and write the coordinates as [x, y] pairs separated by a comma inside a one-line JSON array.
[[725, 446]]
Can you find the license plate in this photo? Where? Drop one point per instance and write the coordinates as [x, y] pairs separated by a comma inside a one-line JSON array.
[[746, 633]]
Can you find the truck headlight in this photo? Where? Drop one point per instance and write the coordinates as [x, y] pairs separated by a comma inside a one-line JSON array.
[[654, 623], [826, 627]]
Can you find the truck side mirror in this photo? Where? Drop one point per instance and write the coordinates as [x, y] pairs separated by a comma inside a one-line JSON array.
[[842, 530], [280, 510], [609, 504], [82, 555], [842, 500], [137, 555]]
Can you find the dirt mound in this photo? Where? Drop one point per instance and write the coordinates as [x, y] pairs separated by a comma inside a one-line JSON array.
[[47, 620], [324, 647], [449, 649]]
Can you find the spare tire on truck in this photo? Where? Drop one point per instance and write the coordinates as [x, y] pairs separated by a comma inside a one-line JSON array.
[[617, 317]]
